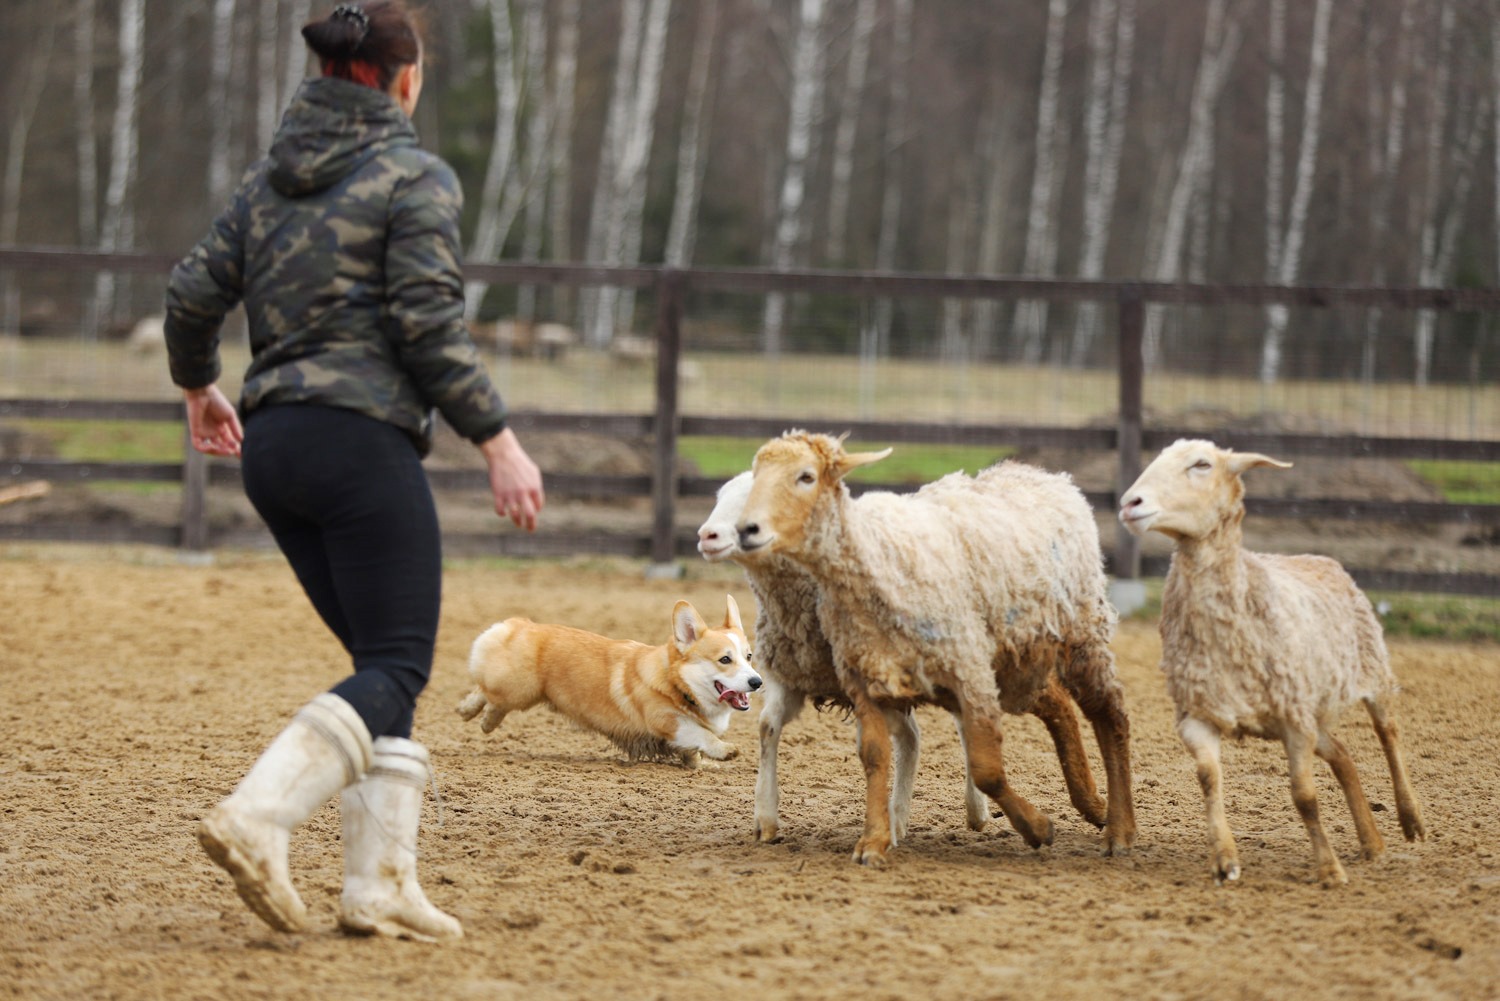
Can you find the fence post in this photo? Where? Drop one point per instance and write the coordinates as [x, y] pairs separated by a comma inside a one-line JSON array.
[[1127, 562], [667, 423], [194, 494]]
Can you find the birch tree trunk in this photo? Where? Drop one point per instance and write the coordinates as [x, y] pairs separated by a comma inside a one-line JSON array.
[[83, 113], [596, 320], [267, 77], [625, 243], [1220, 43], [999, 168], [806, 77], [124, 148], [1029, 327], [1385, 167], [22, 115], [534, 222], [560, 180], [693, 144], [495, 212], [296, 52], [219, 178], [850, 102], [1112, 57], [875, 339], [1437, 127], [1283, 269]]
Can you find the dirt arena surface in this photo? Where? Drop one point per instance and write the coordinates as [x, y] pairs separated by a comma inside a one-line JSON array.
[[139, 688]]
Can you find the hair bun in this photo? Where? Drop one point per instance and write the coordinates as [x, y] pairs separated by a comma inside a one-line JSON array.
[[340, 34]]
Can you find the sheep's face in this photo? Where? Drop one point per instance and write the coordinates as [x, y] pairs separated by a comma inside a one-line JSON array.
[[718, 537], [792, 474], [1189, 490]]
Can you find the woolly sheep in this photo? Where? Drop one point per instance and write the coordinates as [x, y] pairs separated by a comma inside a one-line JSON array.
[[796, 661], [974, 593], [796, 664], [1262, 645]]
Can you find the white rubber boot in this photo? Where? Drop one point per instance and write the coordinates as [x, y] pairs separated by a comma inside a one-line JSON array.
[[323, 749], [381, 815]]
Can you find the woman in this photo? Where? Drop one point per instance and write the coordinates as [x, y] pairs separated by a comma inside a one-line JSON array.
[[343, 245]]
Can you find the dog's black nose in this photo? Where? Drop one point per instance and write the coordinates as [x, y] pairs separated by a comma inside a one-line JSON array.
[[754, 684]]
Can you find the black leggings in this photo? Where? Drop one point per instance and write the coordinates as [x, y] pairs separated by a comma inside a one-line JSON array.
[[348, 501]]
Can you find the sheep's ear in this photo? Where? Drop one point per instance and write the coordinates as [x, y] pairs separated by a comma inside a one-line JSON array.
[[851, 461], [732, 614], [1241, 461], [687, 624]]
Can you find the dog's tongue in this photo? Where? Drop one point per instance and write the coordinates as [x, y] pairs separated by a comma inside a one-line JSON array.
[[738, 700]]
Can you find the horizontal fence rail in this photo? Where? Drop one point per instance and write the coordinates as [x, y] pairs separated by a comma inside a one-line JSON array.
[[1129, 439]]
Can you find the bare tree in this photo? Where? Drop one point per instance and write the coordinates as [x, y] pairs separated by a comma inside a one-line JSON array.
[[118, 220], [33, 82], [1111, 57], [86, 144], [875, 337], [692, 144], [560, 135], [1221, 39], [497, 208], [295, 70], [267, 76], [534, 223], [219, 150], [1040, 259], [805, 98], [1284, 249], [851, 98]]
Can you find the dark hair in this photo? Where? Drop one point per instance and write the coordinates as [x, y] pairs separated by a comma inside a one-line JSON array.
[[366, 42]]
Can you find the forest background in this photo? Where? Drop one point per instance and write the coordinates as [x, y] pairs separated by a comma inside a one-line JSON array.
[[1246, 141]]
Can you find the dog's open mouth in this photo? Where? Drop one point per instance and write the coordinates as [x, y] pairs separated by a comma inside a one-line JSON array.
[[739, 700]]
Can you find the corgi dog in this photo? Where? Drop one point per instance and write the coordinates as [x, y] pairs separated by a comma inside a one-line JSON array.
[[673, 700]]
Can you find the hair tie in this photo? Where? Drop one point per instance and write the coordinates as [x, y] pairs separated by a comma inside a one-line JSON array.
[[355, 13]]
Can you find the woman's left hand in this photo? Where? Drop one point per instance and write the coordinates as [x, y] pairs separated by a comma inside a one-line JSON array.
[[213, 425]]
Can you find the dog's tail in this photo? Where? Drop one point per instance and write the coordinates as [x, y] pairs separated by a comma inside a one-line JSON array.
[[485, 648]]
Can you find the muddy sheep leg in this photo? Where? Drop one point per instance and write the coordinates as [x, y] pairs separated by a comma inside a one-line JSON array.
[[982, 744], [780, 707], [1055, 709], [1300, 750], [1202, 742], [875, 755], [1332, 750], [1408, 808]]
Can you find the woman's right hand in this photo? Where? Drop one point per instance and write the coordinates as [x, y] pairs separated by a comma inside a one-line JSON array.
[[515, 481]]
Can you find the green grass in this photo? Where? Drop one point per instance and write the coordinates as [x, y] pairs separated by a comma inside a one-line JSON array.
[[909, 463], [1461, 482], [112, 441]]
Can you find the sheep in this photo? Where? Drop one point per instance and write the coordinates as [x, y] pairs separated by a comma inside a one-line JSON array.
[[796, 662], [974, 593], [1262, 645]]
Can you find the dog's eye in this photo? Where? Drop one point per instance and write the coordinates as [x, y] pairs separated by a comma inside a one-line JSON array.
[[726, 659]]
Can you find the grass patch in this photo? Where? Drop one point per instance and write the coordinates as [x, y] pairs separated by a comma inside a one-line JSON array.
[[1461, 482], [909, 463], [112, 441], [1451, 618]]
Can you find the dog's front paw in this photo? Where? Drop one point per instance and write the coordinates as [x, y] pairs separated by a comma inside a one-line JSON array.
[[725, 752]]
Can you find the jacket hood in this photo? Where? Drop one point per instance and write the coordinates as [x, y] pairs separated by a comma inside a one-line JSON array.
[[332, 127]]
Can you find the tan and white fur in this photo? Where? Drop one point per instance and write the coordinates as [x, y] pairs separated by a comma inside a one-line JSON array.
[[672, 700], [1263, 645]]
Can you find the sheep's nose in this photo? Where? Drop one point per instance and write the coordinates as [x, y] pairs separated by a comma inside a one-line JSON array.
[[755, 683], [1129, 501], [707, 535]]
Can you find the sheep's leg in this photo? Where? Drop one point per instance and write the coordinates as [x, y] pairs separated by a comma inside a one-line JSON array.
[[875, 755], [976, 803], [1106, 714], [982, 740], [1332, 750], [906, 739], [1300, 748], [1408, 808], [1202, 742], [778, 708], [1055, 709]]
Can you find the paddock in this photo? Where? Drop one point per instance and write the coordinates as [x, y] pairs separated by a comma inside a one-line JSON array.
[[140, 686]]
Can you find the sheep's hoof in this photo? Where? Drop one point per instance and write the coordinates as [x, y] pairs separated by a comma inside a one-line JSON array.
[[768, 832], [1039, 834], [1332, 874], [1116, 845], [1226, 869], [866, 853], [1413, 829]]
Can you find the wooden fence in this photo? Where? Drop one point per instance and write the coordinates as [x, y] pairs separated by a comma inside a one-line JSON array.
[[663, 427]]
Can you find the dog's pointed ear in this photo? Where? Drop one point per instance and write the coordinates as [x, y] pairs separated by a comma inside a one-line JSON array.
[[732, 615], [687, 624]]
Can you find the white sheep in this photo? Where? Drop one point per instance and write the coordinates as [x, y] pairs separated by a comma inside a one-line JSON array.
[[1262, 645], [796, 661], [974, 593], [796, 664]]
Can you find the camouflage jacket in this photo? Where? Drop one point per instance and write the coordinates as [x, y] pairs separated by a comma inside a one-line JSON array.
[[343, 244]]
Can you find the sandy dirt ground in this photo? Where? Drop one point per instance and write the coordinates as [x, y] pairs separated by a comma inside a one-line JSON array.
[[138, 689]]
